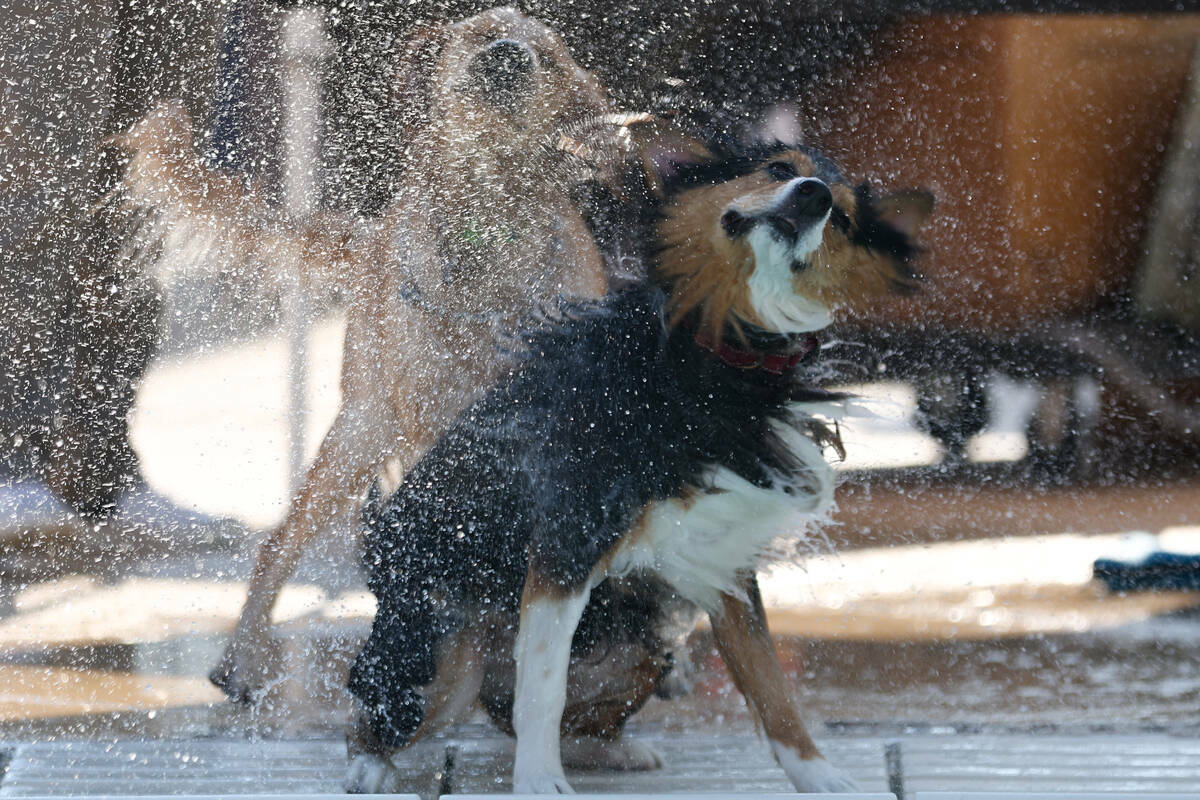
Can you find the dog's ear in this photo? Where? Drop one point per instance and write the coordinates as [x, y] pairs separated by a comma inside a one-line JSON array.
[[780, 124], [167, 126], [663, 151], [905, 210], [890, 230], [412, 89]]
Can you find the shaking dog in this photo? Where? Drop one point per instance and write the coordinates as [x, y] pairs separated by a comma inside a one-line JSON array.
[[631, 472]]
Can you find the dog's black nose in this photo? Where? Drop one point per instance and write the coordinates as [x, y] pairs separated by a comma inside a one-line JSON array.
[[807, 199], [506, 66]]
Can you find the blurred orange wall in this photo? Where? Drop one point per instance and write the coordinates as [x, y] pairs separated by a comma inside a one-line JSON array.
[[1041, 137]]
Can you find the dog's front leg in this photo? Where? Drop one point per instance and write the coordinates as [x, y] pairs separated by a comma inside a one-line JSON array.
[[355, 444], [745, 645], [549, 616]]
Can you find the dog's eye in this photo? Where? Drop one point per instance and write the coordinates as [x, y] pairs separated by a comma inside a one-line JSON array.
[[781, 170], [840, 220]]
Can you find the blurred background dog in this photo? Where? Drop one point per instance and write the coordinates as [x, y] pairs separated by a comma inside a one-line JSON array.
[[481, 228]]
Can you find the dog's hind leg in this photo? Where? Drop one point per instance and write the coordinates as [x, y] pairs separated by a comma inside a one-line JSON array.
[[604, 690], [348, 458], [745, 645], [592, 729], [610, 755]]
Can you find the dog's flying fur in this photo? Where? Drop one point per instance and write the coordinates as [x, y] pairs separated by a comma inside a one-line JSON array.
[[637, 462], [482, 229]]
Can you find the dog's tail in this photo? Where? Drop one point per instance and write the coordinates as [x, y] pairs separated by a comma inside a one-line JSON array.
[[189, 218]]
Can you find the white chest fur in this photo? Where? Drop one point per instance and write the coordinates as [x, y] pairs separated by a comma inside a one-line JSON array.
[[771, 293], [699, 544]]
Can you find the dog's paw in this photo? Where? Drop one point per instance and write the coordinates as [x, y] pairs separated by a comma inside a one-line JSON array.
[[678, 683], [369, 773], [541, 783], [589, 752], [241, 673], [817, 775]]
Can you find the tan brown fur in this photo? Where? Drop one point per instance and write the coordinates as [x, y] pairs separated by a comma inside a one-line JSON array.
[[624, 694], [848, 276], [539, 587], [707, 270], [461, 663], [602, 691], [164, 173]]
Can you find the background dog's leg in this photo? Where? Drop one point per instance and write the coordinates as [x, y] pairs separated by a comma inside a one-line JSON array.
[[746, 647], [348, 457], [549, 616]]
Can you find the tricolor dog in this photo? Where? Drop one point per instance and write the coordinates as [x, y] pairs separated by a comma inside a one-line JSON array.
[[630, 472]]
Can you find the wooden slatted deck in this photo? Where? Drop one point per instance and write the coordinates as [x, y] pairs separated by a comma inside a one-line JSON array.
[[476, 761]]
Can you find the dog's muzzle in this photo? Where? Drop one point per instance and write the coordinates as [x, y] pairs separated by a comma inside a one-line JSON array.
[[503, 73], [805, 203]]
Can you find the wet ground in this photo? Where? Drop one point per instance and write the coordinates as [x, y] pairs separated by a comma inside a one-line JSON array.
[[979, 635]]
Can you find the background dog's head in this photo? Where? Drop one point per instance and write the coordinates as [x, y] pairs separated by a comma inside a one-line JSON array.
[[490, 94], [773, 236]]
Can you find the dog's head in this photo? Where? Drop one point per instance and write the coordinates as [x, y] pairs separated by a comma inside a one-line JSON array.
[[498, 86], [774, 236]]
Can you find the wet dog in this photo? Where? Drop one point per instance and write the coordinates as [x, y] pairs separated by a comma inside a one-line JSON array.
[[482, 229], [632, 471]]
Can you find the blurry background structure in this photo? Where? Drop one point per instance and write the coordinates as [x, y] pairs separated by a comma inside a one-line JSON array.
[[1044, 136], [1045, 383]]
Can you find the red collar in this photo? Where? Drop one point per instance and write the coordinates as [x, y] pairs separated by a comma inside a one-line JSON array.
[[774, 363]]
